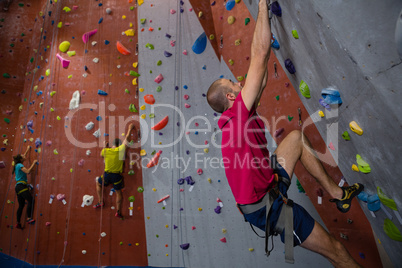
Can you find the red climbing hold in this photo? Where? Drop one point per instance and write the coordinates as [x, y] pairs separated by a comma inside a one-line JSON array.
[[149, 99], [223, 240], [122, 49], [161, 123]]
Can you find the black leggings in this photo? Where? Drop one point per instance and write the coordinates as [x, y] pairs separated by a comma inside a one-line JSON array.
[[25, 195]]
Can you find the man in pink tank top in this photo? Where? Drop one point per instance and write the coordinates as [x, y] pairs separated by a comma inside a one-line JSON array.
[[248, 168]]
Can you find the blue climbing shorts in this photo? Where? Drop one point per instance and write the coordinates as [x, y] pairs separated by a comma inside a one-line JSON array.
[[303, 223], [115, 178]]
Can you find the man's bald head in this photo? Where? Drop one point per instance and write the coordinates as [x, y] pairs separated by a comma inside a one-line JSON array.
[[216, 95]]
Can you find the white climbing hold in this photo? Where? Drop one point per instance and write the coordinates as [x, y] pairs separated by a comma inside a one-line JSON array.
[[87, 200], [85, 75], [103, 234], [75, 100], [94, 43], [97, 133], [88, 152], [90, 126], [118, 66], [84, 252], [96, 60]]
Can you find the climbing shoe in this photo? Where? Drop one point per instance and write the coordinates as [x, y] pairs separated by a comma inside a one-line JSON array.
[[99, 204], [18, 226], [349, 192], [30, 221], [118, 215]]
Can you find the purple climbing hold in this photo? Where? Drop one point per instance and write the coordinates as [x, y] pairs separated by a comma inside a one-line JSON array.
[[189, 180], [276, 9], [203, 94], [324, 104], [175, 227], [38, 142], [213, 3], [3, 149], [168, 35], [217, 210], [167, 54], [289, 66], [187, 152], [185, 246], [176, 87], [180, 181]]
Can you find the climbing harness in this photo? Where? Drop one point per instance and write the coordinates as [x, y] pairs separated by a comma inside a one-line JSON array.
[[285, 220]]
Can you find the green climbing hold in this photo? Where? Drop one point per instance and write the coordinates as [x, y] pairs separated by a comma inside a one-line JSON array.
[[391, 230], [151, 115], [300, 187], [132, 108], [7, 120], [304, 89], [121, 243], [143, 21], [127, 91], [140, 189], [149, 46], [295, 34], [159, 89], [134, 73], [52, 93], [159, 63], [345, 136], [12, 45], [246, 21], [363, 165], [386, 200], [47, 72], [290, 118], [21, 4], [159, 28], [131, 8], [150, 71], [131, 172], [277, 97], [58, 118], [31, 60], [22, 34], [131, 198], [6, 75]]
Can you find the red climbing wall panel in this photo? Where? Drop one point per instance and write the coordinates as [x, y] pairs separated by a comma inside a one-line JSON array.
[[73, 228], [361, 239]]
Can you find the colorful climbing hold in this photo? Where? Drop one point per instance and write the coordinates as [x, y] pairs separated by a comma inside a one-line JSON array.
[[149, 99], [64, 46], [231, 19], [356, 128], [362, 165], [161, 123], [304, 89], [345, 136], [295, 34], [200, 44], [122, 49]]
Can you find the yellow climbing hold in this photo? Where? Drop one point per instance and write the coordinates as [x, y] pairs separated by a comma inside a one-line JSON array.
[[52, 93], [355, 168], [206, 150], [131, 24], [123, 17], [143, 116], [64, 46], [70, 76], [211, 37], [224, 230], [141, 89], [135, 64], [47, 72], [60, 24], [58, 118], [134, 81], [129, 32], [167, 226], [237, 42], [35, 88], [321, 113], [199, 209], [240, 78], [200, 14], [140, 2], [66, 9], [71, 53], [231, 19], [209, 180], [20, 108], [154, 189], [71, 170], [251, 249], [41, 104], [137, 244], [231, 62], [355, 128], [40, 13], [143, 107], [143, 152]]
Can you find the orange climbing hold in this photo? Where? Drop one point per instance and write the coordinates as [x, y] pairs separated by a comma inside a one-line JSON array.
[[149, 99], [122, 49], [154, 161], [161, 123]]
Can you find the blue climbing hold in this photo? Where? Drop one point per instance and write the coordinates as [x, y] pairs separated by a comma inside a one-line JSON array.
[[99, 118], [100, 20], [107, 42], [101, 92], [289, 66], [200, 44], [276, 9], [185, 87], [331, 96], [230, 5], [373, 202]]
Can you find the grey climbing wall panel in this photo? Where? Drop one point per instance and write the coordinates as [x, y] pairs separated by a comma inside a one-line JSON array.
[[351, 46], [206, 249]]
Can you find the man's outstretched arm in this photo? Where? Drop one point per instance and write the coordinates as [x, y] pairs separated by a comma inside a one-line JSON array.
[[260, 51]]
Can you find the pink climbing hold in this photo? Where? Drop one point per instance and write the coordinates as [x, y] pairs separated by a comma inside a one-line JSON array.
[[187, 105], [48, 143], [193, 228], [223, 240], [48, 223], [185, 52], [205, 142], [9, 112], [61, 197], [286, 84], [172, 11], [172, 43], [196, 124], [87, 35], [65, 63], [331, 146], [181, 190], [159, 78], [186, 97], [190, 9], [83, 92], [81, 162], [199, 171]]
